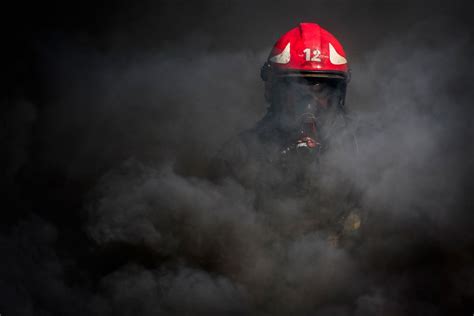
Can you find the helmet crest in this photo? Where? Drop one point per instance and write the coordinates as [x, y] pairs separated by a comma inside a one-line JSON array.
[[307, 50]]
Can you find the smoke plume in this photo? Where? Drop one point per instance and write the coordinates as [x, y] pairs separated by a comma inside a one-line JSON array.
[[109, 206]]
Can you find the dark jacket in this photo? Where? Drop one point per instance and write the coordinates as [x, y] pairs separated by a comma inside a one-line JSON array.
[[313, 194]]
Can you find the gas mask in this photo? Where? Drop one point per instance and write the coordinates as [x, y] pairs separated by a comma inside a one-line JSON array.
[[307, 109]]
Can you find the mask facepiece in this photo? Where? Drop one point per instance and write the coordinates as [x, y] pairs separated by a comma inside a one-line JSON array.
[[305, 107]]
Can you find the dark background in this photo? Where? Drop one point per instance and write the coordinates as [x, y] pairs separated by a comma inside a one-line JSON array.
[[88, 87]]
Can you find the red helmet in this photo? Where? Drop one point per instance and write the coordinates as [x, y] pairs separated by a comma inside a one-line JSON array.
[[307, 50]]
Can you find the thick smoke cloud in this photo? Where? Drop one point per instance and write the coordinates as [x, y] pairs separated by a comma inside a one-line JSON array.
[[110, 210]]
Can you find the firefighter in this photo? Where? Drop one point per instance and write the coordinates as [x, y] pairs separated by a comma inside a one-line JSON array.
[[282, 157]]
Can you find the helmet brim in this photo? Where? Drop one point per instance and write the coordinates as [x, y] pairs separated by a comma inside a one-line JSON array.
[[313, 74]]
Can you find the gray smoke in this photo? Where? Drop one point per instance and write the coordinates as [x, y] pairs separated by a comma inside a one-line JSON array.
[[134, 131]]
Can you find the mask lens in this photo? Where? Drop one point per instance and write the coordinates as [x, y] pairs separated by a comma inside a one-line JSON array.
[[305, 100], [310, 96]]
